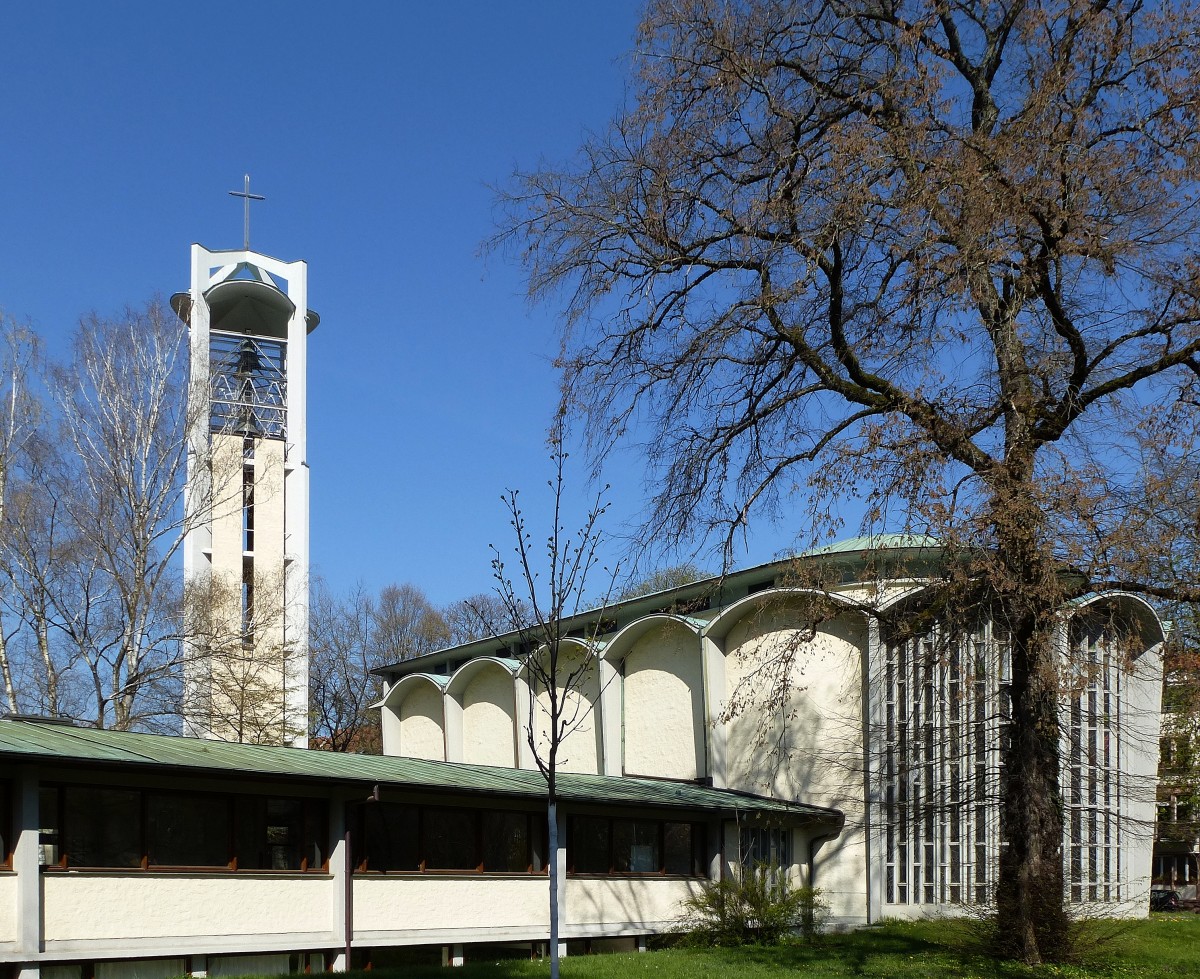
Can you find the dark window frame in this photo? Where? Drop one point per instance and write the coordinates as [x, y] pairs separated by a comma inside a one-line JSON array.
[[698, 843], [361, 818], [314, 813]]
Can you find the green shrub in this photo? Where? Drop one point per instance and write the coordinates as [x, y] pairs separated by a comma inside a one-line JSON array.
[[759, 906]]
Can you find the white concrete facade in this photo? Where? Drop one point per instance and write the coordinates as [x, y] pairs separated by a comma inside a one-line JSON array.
[[77, 901], [247, 543], [747, 694]]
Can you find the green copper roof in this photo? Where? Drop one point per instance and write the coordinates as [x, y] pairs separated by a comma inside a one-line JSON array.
[[879, 542], [22, 740]]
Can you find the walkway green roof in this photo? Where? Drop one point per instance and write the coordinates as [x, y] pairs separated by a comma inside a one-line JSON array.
[[39, 741]]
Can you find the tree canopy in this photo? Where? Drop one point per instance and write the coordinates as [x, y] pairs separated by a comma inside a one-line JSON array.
[[939, 257]]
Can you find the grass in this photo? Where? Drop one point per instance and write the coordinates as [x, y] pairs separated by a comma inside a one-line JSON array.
[[1167, 945]]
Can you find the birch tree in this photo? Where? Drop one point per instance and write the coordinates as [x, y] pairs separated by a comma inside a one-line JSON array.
[[126, 417], [19, 419]]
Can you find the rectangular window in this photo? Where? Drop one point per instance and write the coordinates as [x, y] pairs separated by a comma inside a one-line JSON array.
[[507, 842], [945, 720], [248, 508], [7, 839], [101, 827], [280, 834], [389, 838], [450, 839], [187, 830], [635, 846], [49, 823], [684, 849], [589, 850], [766, 846], [599, 845]]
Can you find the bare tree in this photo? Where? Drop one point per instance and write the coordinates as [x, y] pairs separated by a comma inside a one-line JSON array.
[[341, 685], [664, 579], [481, 617], [406, 624], [19, 419], [243, 656], [350, 636], [936, 257], [126, 418], [548, 588]]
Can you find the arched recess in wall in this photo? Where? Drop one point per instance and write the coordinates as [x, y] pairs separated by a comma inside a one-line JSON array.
[[663, 718], [1130, 615], [484, 690], [792, 699], [414, 717], [581, 750]]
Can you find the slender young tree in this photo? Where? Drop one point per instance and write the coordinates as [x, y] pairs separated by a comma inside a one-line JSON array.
[[938, 258], [548, 587]]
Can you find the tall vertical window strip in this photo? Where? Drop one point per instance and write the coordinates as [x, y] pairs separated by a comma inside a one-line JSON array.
[[1092, 783], [944, 713], [248, 508]]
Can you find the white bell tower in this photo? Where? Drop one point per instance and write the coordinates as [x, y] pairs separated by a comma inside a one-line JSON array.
[[246, 550]]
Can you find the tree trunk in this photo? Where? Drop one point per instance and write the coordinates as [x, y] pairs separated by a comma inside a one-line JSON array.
[[552, 857], [10, 694], [1033, 923]]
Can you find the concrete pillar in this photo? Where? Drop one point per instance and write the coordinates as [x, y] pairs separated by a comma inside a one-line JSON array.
[[713, 660], [340, 920], [27, 866], [873, 734], [612, 720], [452, 955], [452, 713]]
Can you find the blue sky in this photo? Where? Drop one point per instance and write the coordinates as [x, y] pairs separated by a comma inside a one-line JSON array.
[[376, 131]]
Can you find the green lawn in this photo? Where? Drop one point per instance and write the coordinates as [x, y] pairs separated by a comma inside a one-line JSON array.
[[1166, 945]]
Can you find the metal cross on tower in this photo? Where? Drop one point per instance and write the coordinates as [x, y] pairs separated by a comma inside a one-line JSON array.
[[247, 197]]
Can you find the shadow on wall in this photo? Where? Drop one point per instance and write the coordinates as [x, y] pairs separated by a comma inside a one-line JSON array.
[[663, 704]]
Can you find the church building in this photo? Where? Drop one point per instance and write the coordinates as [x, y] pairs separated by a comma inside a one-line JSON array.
[[764, 717], [761, 683]]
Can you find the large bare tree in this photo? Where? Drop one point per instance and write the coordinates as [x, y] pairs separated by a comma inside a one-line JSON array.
[[937, 256]]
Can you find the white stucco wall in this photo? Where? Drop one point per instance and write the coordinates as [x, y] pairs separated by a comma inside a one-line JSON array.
[[111, 907], [664, 705], [488, 718], [624, 903], [1140, 778], [416, 903], [798, 733], [421, 723], [8, 908], [581, 748]]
